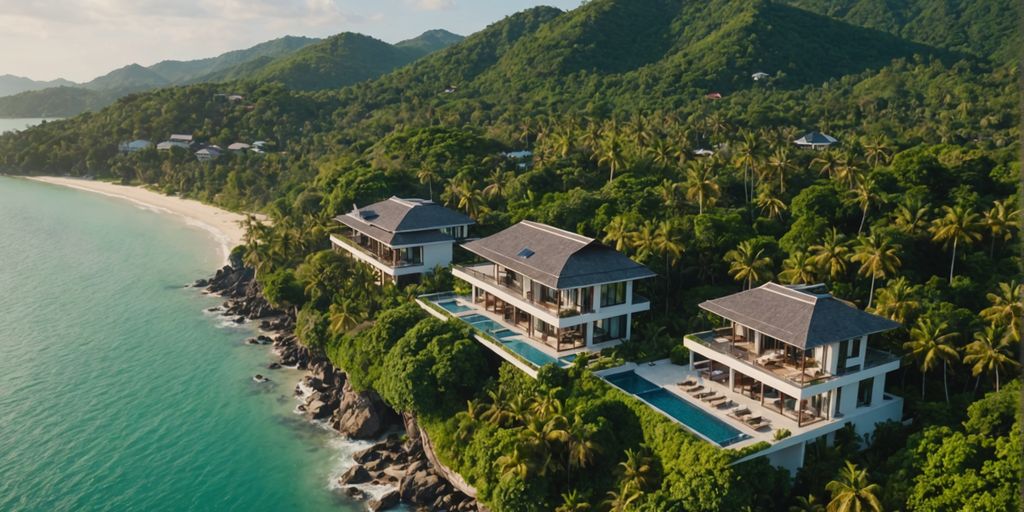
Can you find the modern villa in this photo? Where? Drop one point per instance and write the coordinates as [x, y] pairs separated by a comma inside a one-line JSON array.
[[564, 291], [816, 140], [402, 239]]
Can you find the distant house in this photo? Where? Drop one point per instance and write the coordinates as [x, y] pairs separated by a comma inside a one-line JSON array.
[[450, 89], [177, 137], [259, 146], [168, 144], [134, 146], [207, 154], [523, 158], [815, 140], [235, 97], [703, 152], [239, 147], [713, 95], [760, 75]]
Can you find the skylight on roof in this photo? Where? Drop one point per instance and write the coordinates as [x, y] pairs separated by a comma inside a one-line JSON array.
[[525, 253]]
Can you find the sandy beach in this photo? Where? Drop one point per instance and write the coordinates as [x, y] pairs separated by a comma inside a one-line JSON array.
[[222, 225]]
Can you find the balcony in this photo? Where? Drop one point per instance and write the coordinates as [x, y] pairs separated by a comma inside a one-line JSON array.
[[799, 373], [386, 256], [485, 273]]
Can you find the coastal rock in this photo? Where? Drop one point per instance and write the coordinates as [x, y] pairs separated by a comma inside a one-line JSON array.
[[361, 415], [355, 475], [274, 366], [317, 410], [387, 501], [355, 493]]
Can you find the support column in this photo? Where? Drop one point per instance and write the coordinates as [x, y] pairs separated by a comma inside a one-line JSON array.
[[589, 329], [629, 325], [732, 379], [691, 359]]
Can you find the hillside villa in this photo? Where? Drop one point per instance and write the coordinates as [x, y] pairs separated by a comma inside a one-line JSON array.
[[815, 140], [791, 364], [546, 294], [402, 239], [208, 153]]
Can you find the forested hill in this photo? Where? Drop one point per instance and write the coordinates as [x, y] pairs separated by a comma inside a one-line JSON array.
[[344, 59], [988, 29]]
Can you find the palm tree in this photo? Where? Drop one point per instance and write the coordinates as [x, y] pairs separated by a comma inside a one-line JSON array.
[[581, 447], [852, 492], [798, 268], [573, 502], [831, 254], [828, 162], [748, 264], [547, 404], [931, 342], [876, 152], [807, 503], [344, 315], [864, 193], [990, 352], [770, 203], [911, 216], [1007, 307], [610, 154], [1002, 222], [644, 241], [746, 157], [620, 232], [466, 196], [636, 469], [958, 225], [701, 185], [544, 437], [668, 243], [468, 420], [668, 191], [498, 183], [878, 258], [514, 465], [427, 176], [623, 499], [780, 163], [897, 300]]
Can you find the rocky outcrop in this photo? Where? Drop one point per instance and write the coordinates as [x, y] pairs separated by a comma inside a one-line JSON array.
[[327, 395]]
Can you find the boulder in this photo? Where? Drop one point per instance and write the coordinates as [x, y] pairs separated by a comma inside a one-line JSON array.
[[317, 410], [361, 415], [355, 475], [355, 493], [274, 366], [386, 501]]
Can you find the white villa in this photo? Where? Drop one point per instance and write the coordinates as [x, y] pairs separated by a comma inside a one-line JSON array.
[[565, 292], [793, 358], [402, 239], [816, 140], [208, 154], [760, 75]]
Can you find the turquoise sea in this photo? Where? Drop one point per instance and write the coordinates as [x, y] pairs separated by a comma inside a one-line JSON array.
[[118, 391]]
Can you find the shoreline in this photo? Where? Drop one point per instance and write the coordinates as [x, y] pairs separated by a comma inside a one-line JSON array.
[[225, 227]]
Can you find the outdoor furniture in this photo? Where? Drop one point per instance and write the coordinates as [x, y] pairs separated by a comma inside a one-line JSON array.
[[738, 414], [711, 395], [759, 424], [770, 357], [695, 390], [719, 376], [701, 396], [716, 400], [726, 404], [687, 383]]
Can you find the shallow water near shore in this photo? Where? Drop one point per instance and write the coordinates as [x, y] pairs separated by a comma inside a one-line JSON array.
[[117, 390]]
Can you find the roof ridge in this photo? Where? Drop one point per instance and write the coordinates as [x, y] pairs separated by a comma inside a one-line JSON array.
[[568, 235], [789, 293]]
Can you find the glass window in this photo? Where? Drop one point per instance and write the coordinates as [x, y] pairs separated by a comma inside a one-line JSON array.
[[864, 390], [855, 347], [613, 294], [612, 328]]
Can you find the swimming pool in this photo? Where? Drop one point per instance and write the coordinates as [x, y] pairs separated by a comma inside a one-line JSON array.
[[453, 307], [469, 319], [682, 411], [528, 352]]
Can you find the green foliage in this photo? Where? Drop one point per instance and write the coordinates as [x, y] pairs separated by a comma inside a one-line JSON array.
[[282, 289]]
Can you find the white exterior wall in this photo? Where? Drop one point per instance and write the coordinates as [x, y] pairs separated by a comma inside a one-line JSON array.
[[435, 255]]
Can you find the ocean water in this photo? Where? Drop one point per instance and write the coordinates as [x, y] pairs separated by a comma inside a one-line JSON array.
[[118, 391], [8, 124]]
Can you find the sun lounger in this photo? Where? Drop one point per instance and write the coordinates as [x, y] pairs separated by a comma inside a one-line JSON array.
[[726, 404], [760, 424], [695, 390], [716, 400], [712, 396], [704, 395], [687, 383]]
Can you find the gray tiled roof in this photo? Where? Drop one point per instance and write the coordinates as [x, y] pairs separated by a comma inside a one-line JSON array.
[[805, 319], [556, 258], [399, 222], [816, 138]]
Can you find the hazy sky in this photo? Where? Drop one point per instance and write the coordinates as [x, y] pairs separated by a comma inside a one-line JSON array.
[[82, 39]]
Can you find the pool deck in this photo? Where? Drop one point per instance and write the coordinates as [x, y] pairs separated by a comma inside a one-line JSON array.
[[520, 335], [667, 375]]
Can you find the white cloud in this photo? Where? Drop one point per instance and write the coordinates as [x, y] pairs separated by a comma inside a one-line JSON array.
[[433, 5]]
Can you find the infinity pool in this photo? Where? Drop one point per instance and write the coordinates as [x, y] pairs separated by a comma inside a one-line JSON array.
[[528, 352], [453, 307], [691, 416]]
